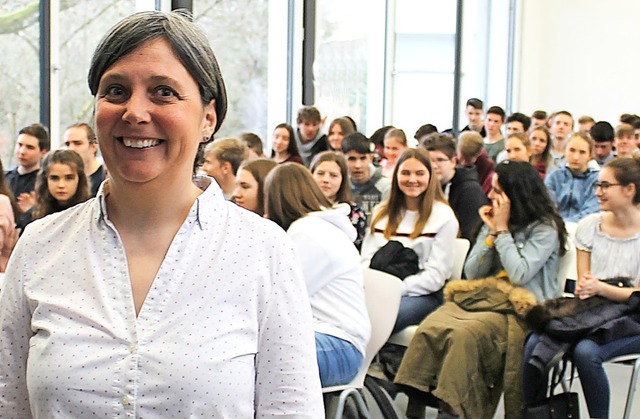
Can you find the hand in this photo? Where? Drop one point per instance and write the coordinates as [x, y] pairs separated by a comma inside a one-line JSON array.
[[486, 214], [26, 201], [501, 211], [588, 286]]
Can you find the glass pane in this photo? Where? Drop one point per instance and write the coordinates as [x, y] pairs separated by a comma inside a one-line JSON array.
[[340, 68], [19, 72], [238, 31], [81, 27], [423, 64]]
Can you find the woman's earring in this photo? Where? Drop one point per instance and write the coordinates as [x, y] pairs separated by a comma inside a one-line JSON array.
[[205, 139]]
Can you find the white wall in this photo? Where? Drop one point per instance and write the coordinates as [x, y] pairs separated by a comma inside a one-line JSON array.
[[581, 56]]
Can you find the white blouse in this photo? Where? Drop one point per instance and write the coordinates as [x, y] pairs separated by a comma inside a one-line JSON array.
[[434, 247], [225, 330], [610, 257]]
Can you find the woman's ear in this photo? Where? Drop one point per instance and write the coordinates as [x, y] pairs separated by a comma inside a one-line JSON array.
[[209, 120]]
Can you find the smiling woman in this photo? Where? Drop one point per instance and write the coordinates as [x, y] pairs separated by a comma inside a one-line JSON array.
[[417, 215], [137, 282]]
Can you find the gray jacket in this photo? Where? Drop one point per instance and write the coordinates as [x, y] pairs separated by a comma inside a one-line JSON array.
[[530, 259]]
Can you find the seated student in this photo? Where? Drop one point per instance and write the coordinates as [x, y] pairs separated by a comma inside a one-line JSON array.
[[61, 184], [255, 149], [81, 138], [471, 153], [538, 119], [603, 136], [561, 128], [494, 140], [309, 138], [516, 123], [338, 129], [540, 139], [284, 148], [468, 349], [330, 172], [518, 147], [459, 183], [425, 131], [416, 215], [377, 139], [367, 183], [32, 144], [572, 186], [222, 158], [625, 141], [395, 141], [249, 191], [585, 123], [607, 245], [323, 241]]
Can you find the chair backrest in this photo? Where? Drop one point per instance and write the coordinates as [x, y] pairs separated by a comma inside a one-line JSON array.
[[382, 295], [567, 265], [460, 250]]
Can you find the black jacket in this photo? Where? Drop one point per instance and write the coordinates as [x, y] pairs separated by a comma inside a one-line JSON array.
[[465, 198], [600, 320]]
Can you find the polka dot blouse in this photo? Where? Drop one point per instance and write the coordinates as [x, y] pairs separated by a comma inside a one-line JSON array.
[[225, 330]]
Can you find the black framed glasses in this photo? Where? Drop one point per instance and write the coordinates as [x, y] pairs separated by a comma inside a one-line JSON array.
[[605, 185]]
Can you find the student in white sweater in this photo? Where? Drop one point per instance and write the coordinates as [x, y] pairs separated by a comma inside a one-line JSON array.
[[323, 242], [416, 215]]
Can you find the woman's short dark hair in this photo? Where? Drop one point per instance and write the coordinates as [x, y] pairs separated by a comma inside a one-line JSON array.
[[344, 192], [291, 193], [45, 203], [530, 201], [187, 41]]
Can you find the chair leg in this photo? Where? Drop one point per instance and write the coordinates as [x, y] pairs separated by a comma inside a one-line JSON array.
[[362, 407], [632, 389]]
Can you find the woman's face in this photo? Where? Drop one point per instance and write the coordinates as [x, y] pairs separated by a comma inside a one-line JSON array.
[[149, 116], [62, 182], [413, 178], [392, 149], [246, 192], [335, 137], [281, 140], [539, 142], [611, 195], [496, 190], [516, 150], [328, 177]]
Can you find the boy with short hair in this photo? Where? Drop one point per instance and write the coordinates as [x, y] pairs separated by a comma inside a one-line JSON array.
[[309, 136], [367, 182], [222, 158], [494, 140], [33, 143]]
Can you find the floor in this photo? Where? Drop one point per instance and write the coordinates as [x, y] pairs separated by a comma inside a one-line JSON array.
[[618, 378]]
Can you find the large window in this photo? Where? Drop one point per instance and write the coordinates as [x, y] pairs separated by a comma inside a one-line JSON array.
[[19, 72]]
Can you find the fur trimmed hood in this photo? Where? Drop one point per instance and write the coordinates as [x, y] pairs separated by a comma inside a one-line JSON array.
[[499, 289]]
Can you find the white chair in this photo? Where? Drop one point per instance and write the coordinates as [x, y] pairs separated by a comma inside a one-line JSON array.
[[634, 361], [460, 250], [382, 295]]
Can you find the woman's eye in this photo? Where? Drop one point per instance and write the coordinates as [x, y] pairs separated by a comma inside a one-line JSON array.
[[166, 92], [114, 92]]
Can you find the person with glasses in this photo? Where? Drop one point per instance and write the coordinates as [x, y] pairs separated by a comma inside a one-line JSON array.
[[607, 247], [572, 185], [459, 183], [466, 357]]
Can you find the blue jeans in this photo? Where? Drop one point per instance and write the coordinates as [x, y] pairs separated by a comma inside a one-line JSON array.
[[338, 360], [588, 357], [413, 309]]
